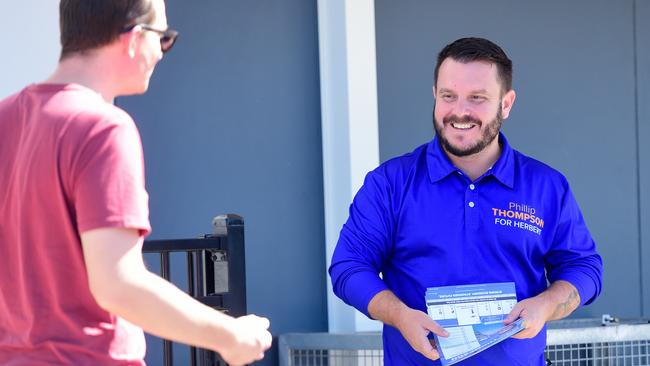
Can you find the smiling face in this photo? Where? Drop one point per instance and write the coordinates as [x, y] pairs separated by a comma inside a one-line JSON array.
[[470, 106]]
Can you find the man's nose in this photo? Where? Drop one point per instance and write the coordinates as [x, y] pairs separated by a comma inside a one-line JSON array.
[[462, 108]]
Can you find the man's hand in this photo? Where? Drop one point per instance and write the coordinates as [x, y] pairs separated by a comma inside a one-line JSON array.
[[415, 327], [413, 324], [557, 302], [252, 338], [535, 311]]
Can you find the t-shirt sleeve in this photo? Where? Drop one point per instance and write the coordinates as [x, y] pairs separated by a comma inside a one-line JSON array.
[[573, 256], [363, 245], [108, 176]]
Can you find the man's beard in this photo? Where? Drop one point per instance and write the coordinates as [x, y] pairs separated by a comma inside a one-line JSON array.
[[489, 133]]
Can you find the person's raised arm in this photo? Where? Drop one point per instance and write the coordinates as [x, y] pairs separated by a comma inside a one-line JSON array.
[[122, 285]]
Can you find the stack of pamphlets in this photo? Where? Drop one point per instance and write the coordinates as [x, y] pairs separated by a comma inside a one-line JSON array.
[[473, 315]]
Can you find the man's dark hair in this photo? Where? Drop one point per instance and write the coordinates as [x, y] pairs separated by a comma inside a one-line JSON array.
[[89, 24], [478, 49]]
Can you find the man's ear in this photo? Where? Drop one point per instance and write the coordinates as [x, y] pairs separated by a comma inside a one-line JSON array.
[[433, 91], [506, 103], [129, 41]]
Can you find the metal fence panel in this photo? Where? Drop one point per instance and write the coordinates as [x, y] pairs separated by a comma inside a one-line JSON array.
[[570, 343], [215, 275]]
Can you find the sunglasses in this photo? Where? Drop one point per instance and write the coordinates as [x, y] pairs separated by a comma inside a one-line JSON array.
[[167, 37]]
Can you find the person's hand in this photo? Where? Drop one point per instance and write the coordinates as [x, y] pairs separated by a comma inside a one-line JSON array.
[[415, 327], [252, 338], [535, 311]]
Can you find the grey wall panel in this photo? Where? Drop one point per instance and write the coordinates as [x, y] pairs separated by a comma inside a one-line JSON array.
[[575, 110], [231, 123], [643, 105]]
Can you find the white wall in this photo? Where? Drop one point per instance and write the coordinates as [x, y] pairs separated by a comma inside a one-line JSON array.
[[349, 127], [29, 41]]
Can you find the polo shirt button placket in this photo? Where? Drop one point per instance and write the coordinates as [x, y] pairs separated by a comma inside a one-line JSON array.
[[471, 213]]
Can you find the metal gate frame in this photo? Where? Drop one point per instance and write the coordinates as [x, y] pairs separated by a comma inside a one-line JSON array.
[[216, 274]]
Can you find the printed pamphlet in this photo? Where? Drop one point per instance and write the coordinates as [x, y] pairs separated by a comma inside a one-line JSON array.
[[473, 315]]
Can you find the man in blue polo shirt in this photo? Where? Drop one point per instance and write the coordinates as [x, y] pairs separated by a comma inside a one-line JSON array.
[[465, 208]]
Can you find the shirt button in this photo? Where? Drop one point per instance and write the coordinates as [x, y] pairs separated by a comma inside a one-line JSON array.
[[471, 186], [471, 204]]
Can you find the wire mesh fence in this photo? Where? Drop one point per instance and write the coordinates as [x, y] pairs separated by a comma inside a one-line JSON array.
[[323, 357], [625, 353], [571, 343]]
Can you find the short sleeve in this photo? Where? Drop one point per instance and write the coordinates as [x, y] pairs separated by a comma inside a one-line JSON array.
[[108, 176]]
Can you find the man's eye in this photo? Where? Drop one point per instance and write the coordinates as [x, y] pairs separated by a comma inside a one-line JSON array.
[[447, 97], [477, 98]]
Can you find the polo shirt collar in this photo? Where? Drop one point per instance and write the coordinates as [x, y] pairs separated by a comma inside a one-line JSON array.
[[504, 169], [439, 165]]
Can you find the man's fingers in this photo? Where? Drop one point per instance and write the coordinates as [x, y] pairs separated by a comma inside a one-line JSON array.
[[264, 322], [258, 321], [430, 351], [523, 333], [520, 335], [435, 348], [526, 333], [435, 328], [514, 314], [531, 329], [267, 340], [432, 355], [433, 344]]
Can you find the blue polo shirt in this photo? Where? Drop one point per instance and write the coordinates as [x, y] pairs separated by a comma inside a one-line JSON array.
[[421, 222]]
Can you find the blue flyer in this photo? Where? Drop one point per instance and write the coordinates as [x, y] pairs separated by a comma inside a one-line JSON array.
[[473, 315]]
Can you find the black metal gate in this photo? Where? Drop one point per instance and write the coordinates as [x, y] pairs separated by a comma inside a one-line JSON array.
[[216, 274]]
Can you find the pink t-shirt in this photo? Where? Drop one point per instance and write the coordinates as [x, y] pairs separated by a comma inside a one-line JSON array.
[[69, 163]]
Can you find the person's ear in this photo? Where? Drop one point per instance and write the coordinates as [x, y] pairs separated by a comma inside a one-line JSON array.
[[507, 102], [129, 41]]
